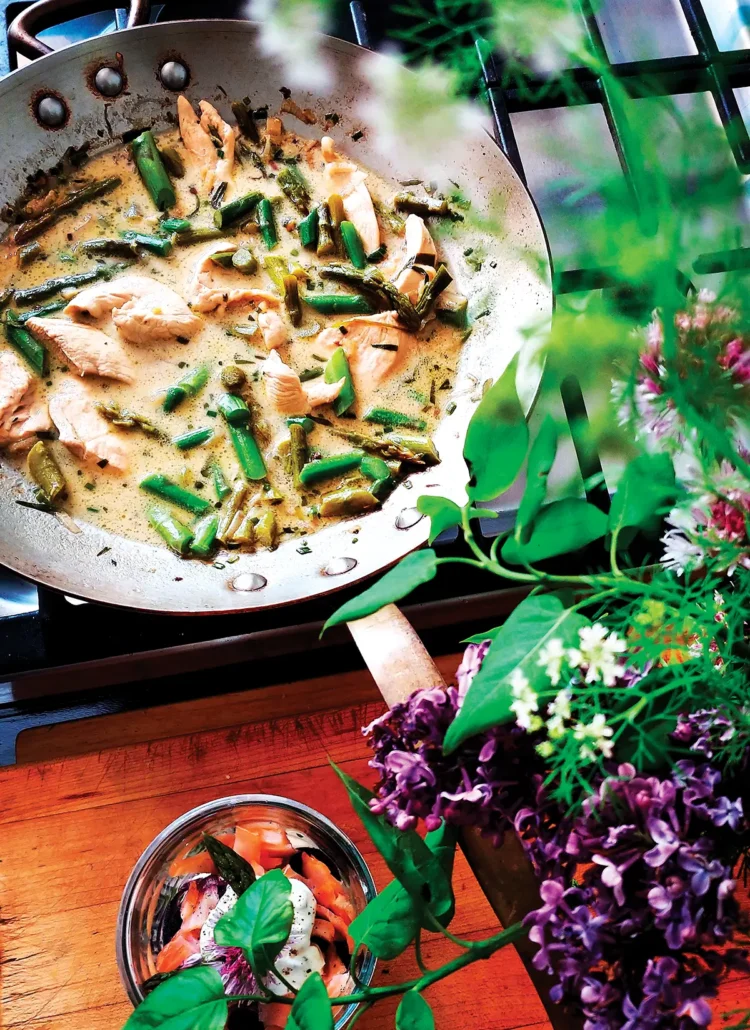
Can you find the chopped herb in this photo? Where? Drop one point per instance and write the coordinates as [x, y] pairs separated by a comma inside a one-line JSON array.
[[103, 551], [357, 135], [304, 548], [182, 364], [407, 484], [95, 510], [37, 506], [317, 357], [450, 408], [90, 486], [333, 118], [409, 182], [384, 346], [286, 93], [218, 565], [211, 413], [310, 373], [232, 559]]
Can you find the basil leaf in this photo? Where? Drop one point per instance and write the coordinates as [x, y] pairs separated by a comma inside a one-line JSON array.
[[414, 1013], [488, 699], [260, 921], [541, 459], [190, 1000], [645, 493], [497, 439], [444, 513], [479, 638], [414, 570], [233, 868], [311, 1009], [560, 527], [405, 853]]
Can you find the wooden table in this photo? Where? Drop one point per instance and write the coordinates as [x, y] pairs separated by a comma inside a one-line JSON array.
[[92, 795]]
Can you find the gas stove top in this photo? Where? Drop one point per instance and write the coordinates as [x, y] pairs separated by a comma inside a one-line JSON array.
[[63, 659]]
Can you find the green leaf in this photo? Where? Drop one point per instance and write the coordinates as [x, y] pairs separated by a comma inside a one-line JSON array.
[[444, 513], [414, 1013], [487, 703], [646, 491], [405, 853], [560, 527], [479, 638], [414, 570], [541, 459], [311, 1009], [191, 1000], [260, 921], [496, 440], [232, 867], [442, 843]]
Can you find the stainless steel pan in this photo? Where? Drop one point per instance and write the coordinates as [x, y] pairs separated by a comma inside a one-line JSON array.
[[224, 61]]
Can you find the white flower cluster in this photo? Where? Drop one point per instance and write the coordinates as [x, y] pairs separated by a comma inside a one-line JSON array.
[[596, 659], [289, 31]]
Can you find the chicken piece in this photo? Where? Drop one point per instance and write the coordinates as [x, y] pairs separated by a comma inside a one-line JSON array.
[[418, 260], [214, 125], [98, 300], [22, 413], [215, 288], [196, 138], [370, 364], [274, 134], [348, 180], [145, 311], [91, 351], [272, 326], [291, 397], [82, 429]]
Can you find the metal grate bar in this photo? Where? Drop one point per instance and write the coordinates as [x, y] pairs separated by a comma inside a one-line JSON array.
[[505, 137], [359, 17]]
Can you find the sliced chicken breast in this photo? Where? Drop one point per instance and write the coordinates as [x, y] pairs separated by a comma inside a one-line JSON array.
[[98, 300], [212, 122], [272, 326], [371, 363], [91, 351], [82, 429], [216, 161], [22, 413], [418, 260], [349, 181], [196, 139], [145, 311], [291, 397], [215, 288]]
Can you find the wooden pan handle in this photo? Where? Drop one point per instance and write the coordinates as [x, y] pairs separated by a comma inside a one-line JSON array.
[[400, 664]]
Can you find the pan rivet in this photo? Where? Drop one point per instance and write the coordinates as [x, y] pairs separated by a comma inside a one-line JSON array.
[[109, 82], [174, 75], [249, 581], [408, 517], [51, 112], [338, 566]]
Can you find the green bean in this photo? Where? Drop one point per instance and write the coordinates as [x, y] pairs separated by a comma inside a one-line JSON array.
[[127, 419], [27, 346], [172, 225], [45, 471], [297, 451], [201, 235], [347, 502], [425, 207], [193, 438], [161, 245], [373, 282], [222, 488], [63, 282], [277, 268], [172, 161], [339, 303], [292, 183], [234, 409], [386, 446], [155, 483], [326, 239], [308, 230], [267, 223], [204, 539], [266, 530], [328, 468], [70, 202], [171, 530], [245, 261], [291, 299], [432, 290], [42, 312], [29, 254], [229, 513], [375, 468], [386, 417], [233, 379], [248, 453], [243, 113], [353, 245], [337, 367], [109, 247], [189, 386], [229, 214], [151, 168]]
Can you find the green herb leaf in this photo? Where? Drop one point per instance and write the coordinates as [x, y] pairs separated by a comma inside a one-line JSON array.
[[560, 527], [232, 867], [191, 1000], [417, 568], [541, 458], [444, 513], [497, 439], [414, 1013], [645, 493], [406, 854], [311, 1009], [518, 643], [260, 921]]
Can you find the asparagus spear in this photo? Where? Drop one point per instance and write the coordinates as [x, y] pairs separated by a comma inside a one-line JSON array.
[[339, 303], [308, 230], [292, 183], [291, 299], [190, 385], [347, 502], [297, 451], [237, 416], [151, 168], [161, 245], [64, 282], [372, 281], [244, 261], [174, 493], [232, 212], [175, 533], [201, 235], [432, 290], [70, 202], [243, 113], [233, 378], [326, 240], [204, 539], [29, 254], [172, 225], [173, 161], [328, 468], [392, 446], [45, 471], [393, 419], [229, 513], [221, 487], [426, 207], [266, 530], [128, 419], [110, 247], [193, 438], [41, 312], [267, 223]]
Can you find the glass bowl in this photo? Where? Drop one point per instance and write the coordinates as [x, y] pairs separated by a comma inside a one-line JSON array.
[[140, 928]]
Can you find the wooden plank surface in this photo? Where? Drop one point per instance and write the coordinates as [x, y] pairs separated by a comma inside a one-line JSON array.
[[71, 830]]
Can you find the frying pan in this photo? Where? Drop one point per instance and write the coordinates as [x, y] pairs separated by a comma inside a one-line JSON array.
[[224, 61]]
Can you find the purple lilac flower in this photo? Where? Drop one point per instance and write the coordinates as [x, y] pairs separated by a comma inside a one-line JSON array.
[[236, 973]]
